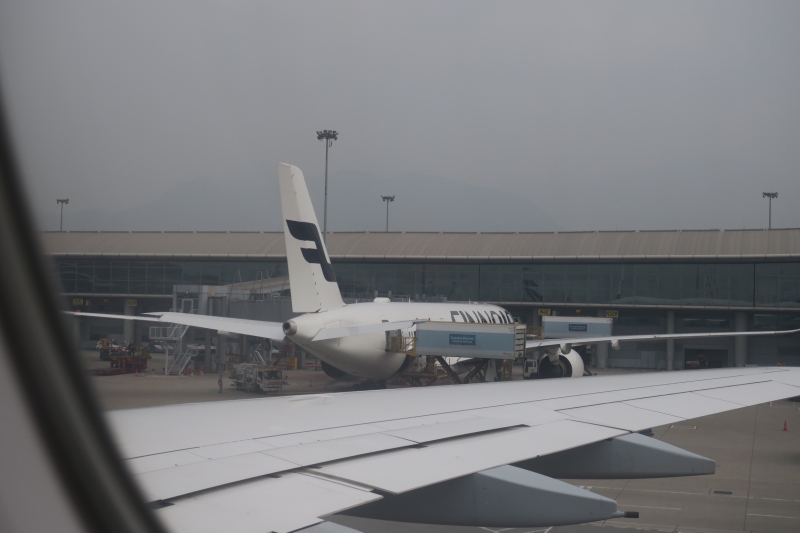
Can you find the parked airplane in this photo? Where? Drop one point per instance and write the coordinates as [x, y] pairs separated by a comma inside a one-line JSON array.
[[350, 338]]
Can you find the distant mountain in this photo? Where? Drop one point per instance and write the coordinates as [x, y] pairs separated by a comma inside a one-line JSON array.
[[423, 203]]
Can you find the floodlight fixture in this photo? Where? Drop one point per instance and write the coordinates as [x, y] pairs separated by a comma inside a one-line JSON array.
[[769, 195], [387, 199], [328, 136], [62, 201]]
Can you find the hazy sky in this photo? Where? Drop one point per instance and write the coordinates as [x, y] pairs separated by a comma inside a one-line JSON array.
[[599, 115]]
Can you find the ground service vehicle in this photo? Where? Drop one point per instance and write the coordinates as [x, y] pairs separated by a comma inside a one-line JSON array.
[[256, 378]]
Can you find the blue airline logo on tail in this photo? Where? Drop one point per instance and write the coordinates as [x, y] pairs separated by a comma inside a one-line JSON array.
[[306, 231]]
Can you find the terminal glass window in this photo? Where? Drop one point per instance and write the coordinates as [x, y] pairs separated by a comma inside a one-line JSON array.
[[686, 284], [777, 284], [67, 274]]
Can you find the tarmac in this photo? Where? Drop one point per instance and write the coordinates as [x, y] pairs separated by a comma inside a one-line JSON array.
[[756, 487]]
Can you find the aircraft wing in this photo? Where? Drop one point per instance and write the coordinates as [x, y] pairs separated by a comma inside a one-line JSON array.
[[256, 328], [615, 340], [429, 455]]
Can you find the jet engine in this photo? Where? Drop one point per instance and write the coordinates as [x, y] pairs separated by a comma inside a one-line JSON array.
[[568, 365]]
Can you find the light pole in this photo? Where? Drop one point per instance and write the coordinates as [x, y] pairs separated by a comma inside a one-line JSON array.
[[329, 136], [387, 199], [62, 201], [769, 195]]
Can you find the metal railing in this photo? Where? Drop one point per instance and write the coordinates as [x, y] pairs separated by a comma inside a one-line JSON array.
[[256, 353], [401, 344], [173, 332], [172, 337], [179, 363]]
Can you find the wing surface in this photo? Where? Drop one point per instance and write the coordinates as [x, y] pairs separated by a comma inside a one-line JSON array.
[[256, 328], [241, 326], [246, 466], [545, 343]]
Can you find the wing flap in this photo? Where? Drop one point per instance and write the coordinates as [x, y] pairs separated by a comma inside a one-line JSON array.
[[787, 378], [194, 477], [284, 504], [331, 450], [448, 430], [417, 421], [684, 405], [404, 470], [525, 413], [753, 393], [583, 400], [308, 437], [621, 416], [162, 461], [689, 386], [229, 449]]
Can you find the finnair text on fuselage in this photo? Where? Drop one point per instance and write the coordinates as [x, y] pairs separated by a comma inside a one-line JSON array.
[[500, 316]]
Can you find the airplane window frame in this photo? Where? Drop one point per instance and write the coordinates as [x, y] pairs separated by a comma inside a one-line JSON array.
[[45, 364]]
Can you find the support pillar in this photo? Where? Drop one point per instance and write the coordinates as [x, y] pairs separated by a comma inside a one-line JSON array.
[[204, 308], [740, 343], [601, 349], [128, 328], [222, 340], [671, 342], [77, 332], [209, 357]]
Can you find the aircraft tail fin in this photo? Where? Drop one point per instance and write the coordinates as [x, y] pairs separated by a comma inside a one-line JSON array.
[[311, 276]]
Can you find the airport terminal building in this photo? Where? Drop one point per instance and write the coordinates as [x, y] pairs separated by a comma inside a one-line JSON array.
[[648, 281]]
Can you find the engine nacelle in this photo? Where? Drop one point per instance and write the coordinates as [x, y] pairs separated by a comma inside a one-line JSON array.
[[569, 365]]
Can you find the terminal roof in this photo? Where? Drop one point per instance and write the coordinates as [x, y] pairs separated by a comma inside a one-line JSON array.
[[776, 244]]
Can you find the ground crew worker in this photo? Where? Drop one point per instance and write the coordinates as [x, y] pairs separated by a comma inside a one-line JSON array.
[[219, 382]]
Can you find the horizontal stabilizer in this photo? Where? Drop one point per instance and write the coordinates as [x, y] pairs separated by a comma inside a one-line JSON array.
[[501, 497], [347, 331], [631, 456]]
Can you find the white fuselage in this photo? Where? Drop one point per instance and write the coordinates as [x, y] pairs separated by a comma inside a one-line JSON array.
[[365, 355]]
